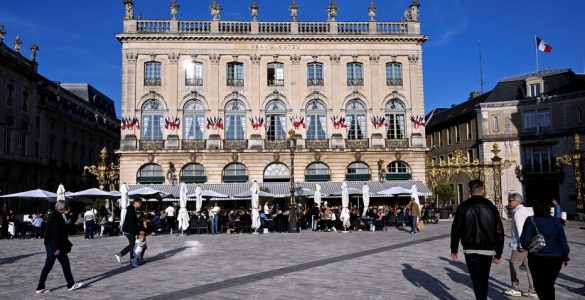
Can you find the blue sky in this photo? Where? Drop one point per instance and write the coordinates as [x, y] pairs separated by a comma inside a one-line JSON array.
[[77, 42]]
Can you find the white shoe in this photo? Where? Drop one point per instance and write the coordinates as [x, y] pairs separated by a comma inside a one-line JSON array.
[[529, 294], [513, 293], [118, 258], [43, 291], [75, 286]]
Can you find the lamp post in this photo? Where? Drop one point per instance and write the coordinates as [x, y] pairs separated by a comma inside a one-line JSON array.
[[574, 160], [106, 175], [292, 216]]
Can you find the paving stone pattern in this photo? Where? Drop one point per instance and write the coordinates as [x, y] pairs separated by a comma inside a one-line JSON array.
[[324, 265]]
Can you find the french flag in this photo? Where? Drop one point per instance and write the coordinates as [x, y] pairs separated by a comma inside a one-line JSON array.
[[542, 46]]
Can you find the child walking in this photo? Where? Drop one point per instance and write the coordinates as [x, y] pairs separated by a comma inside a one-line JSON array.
[[139, 247]]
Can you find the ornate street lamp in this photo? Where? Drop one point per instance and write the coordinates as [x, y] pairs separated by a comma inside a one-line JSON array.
[[292, 216], [106, 175]]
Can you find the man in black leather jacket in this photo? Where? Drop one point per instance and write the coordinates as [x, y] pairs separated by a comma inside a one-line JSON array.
[[478, 226], [130, 228]]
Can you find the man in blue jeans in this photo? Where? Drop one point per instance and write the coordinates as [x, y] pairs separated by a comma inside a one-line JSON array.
[[130, 229], [214, 216]]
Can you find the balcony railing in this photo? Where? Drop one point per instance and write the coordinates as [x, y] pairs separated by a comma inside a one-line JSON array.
[[391, 28], [314, 27], [153, 26], [235, 82], [235, 144], [194, 26], [194, 81], [275, 82], [353, 28], [394, 82], [275, 144], [355, 82], [274, 27], [152, 82], [357, 144], [193, 144], [317, 144], [152, 145], [235, 27], [398, 143], [315, 82]]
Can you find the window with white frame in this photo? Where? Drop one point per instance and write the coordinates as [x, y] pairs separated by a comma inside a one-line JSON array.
[[535, 89], [398, 167], [152, 73], [449, 138], [315, 74], [277, 172], [152, 120], [193, 73], [496, 123], [355, 74], [194, 125], [358, 168], [457, 134], [316, 117], [468, 130], [151, 170], [356, 118], [538, 159], [193, 170], [235, 169], [317, 168], [275, 120], [537, 120], [395, 119], [275, 74], [393, 74], [235, 120], [440, 138], [235, 74]]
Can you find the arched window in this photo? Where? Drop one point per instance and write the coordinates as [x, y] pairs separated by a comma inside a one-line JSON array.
[[398, 170], [152, 120], [317, 171], [355, 116], [235, 74], [193, 73], [235, 120], [358, 171], [276, 120], [275, 74], [355, 74], [235, 172], [152, 73], [150, 174], [193, 173], [315, 74], [276, 172], [194, 114], [395, 118], [393, 74], [316, 115]]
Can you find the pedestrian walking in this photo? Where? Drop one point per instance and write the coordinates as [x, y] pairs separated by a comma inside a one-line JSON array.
[[478, 226], [89, 217], [519, 256], [545, 264], [170, 211], [130, 228], [214, 217], [414, 213], [57, 245], [557, 211]]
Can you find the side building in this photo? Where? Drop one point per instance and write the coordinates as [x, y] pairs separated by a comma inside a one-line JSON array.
[[48, 130], [212, 101], [532, 118]]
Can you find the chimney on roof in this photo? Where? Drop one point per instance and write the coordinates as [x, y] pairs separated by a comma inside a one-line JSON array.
[[473, 94]]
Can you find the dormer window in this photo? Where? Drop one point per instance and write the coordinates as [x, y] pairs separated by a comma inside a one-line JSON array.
[[535, 89]]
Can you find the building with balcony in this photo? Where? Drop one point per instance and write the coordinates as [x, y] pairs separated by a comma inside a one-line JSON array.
[[218, 98], [532, 117], [48, 130]]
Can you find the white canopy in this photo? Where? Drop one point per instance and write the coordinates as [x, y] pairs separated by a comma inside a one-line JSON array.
[[123, 203], [304, 192], [92, 193], [254, 190], [350, 191], [366, 197], [414, 194], [345, 203], [208, 194], [317, 196], [395, 191], [42, 194], [198, 198], [248, 194], [183, 216], [61, 193], [147, 192]]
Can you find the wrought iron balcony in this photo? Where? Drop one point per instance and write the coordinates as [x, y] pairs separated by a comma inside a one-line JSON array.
[[275, 144], [152, 82], [398, 143], [193, 144], [355, 82], [276, 82], [152, 145], [317, 144], [194, 81], [394, 81], [235, 144], [235, 82], [357, 144], [315, 82]]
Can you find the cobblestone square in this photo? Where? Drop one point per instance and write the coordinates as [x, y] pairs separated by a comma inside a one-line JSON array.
[[359, 265]]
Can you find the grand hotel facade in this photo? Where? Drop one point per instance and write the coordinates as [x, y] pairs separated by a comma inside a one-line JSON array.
[[213, 101]]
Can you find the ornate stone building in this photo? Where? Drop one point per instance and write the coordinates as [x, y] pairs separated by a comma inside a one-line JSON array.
[[48, 130], [217, 98], [532, 118]]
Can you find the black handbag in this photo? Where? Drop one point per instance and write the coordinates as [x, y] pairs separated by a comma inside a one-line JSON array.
[[537, 242], [67, 247]]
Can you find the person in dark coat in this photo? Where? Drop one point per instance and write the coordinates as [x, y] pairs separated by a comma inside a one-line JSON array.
[[57, 245], [130, 228]]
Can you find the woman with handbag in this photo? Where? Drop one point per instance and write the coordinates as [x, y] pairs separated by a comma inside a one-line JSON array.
[[544, 238]]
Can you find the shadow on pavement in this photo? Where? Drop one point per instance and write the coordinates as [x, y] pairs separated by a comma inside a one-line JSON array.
[[579, 291], [495, 286], [10, 260], [422, 279]]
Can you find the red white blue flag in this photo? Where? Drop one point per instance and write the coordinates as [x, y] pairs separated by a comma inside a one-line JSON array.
[[542, 46]]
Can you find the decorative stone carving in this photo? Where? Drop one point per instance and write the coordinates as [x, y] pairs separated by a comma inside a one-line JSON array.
[[129, 5], [173, 57], [193, 157], [152, 56], [235, 144], [276, 157], [235, 157], [235, 95], [332, 11], [275, 95], [254, 8], [402, 143], [374, 59], [17, 43], [413, 59], [131, 57], [193, 95], [317, 156], [316, 95], [214, 58], [193, 144], [33, 52], [354, 57], [2, 33], [295, 59], [393, 58], [152, 95], [152, 145], [357, 155], [215, 10], [255, 59], [372, 11], [150, 157], [174, 9], [294, 10], [412, 14], [335, 58], [355, 95], [317, 144], [275, 144], [357, 144]]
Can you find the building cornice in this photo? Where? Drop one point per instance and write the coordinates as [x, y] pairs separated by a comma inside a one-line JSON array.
[[139, 37]]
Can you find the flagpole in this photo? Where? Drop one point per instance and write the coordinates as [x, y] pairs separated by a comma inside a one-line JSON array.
[[536, 48]]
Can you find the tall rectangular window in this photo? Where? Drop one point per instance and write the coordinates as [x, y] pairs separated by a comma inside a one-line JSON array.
[[152, 74], [535, 90], [457, 135], [7, 139], [539, 159], [25, 101], [235, 74], [460, 195], [449, 141], [470, 155], [393, 74], [537, 121], [496, 123], [23, 145], [468, 130], [275, 74], [440, 138], [355, 74], [315, 74], [9, 94], [579, 116], [193, 73]]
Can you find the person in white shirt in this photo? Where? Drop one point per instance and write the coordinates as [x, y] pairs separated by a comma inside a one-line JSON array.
[[139, 248], [519, 256], [89, 220], [170, 217], [214, 216]]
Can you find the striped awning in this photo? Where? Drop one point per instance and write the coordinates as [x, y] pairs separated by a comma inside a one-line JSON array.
[[282, 189]]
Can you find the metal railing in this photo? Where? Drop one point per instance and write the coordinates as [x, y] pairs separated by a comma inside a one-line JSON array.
[[394, 81], [355, 82], [235, 82], [315, 82]]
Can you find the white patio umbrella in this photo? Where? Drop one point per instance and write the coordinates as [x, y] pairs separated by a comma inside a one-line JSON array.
[[41, 194], [317, 196], [248, 194], [304, 192], [414, 194], [255, 206], [366, 197], [344, 204], [123, 203], [198, 199], [92, 193], [395, 191], [61, 193], [183, 216], [148, 192]]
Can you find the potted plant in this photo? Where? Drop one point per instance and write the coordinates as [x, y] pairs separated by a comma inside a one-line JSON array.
[[445, 194]]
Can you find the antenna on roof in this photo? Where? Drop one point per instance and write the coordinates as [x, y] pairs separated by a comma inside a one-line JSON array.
[[481, 82]]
